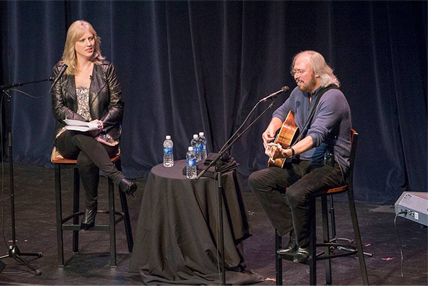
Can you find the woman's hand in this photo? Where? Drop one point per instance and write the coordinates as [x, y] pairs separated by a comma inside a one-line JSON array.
[[94, 133]]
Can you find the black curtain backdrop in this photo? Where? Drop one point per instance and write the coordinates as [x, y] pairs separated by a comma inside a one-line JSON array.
[[190, 66]]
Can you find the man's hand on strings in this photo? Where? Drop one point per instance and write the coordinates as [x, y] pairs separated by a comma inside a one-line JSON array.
[[274, 150]]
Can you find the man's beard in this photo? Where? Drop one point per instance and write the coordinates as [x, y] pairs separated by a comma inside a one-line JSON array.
[[308, 88]]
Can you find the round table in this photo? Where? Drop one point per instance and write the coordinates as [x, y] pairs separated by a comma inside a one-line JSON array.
[[178, 230]]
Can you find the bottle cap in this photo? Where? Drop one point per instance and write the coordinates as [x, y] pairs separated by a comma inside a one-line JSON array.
[[168, 137], [190, 148], [195, 136], [201, 133]]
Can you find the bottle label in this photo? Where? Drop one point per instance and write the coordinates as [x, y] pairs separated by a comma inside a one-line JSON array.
[[167, 150], [204, 147], [191, 162]]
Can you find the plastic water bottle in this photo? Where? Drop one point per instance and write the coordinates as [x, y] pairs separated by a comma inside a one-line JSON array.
[[203, 145], [168, 155], [191, 164], [195, 144]]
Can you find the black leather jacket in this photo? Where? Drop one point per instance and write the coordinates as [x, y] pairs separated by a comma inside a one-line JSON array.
[[105, 99]]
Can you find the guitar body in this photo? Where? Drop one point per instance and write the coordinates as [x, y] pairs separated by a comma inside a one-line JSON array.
[[285, 137]]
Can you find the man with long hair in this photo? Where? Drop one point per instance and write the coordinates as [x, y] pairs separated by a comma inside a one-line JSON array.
[[318, 160]]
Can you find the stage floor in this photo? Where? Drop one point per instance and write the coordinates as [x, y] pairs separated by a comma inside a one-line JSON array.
[[36, 232]]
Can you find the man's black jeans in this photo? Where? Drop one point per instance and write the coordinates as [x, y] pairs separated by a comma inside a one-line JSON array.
[[285, 193]]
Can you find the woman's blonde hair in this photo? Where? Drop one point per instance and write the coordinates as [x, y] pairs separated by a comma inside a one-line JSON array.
[[74, 33], [320, 67]]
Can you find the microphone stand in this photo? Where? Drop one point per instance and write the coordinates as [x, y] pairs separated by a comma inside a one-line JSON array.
[[14, 251], [218, 177]]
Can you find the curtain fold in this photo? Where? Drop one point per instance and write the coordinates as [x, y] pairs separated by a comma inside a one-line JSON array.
[[191, 66]]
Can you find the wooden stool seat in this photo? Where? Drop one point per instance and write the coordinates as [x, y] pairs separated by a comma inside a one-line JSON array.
[[57, 158], [337, 190], [114, 215], [61, 160]]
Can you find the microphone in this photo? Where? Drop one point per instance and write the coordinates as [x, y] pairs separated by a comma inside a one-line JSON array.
[[61, 72], [272, 95]]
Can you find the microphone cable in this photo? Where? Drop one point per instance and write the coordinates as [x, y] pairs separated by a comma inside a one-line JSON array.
[[29, 95]]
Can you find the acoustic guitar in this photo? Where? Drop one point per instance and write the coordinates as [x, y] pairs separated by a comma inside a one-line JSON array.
[[285, 137]]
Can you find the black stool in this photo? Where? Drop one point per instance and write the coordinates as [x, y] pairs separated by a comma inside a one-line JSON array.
[[114, 216], [329, 244]]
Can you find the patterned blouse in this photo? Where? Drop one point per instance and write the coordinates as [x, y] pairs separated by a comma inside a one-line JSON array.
[[83, 102]]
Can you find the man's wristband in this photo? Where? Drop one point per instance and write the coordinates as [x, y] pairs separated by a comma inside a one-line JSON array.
[[292, 152]]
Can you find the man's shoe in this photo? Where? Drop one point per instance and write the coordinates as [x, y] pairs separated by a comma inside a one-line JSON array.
[[291, 247], [301, 255], [127, 187], [88, 221]]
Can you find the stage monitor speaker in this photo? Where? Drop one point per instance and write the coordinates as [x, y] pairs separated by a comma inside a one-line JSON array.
[[413, 206]]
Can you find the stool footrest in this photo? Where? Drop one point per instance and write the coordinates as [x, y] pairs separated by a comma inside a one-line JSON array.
[[64, 220], [331, 256], [118, 213], [290, 257], [336, 245], [74, 227]]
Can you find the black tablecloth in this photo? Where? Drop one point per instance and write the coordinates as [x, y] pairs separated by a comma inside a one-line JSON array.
[[177, 230]]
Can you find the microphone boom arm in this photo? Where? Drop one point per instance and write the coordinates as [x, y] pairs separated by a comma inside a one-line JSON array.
[[235, 137], [9, 86]]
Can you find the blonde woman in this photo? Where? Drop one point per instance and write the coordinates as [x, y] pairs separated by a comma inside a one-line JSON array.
[[89, 91]]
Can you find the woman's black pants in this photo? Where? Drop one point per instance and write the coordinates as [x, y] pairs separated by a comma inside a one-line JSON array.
[[91, 156]]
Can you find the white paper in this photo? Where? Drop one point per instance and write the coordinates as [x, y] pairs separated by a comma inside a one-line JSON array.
[[78, 125]]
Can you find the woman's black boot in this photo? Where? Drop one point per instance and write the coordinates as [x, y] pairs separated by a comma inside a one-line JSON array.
[[127, 187], [88, 221]]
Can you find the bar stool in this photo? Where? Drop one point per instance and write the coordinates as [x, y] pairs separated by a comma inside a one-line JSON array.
[[328, 244], [114, 215]]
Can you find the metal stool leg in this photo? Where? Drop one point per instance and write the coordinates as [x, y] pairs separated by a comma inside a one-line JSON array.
[[76, 195], [112, 223], [58, 202], [127, 221], [357, 234], [326, 238], [312, 245], [278, 260]]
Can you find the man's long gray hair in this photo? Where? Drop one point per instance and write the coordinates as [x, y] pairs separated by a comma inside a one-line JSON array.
[[320, 67]]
